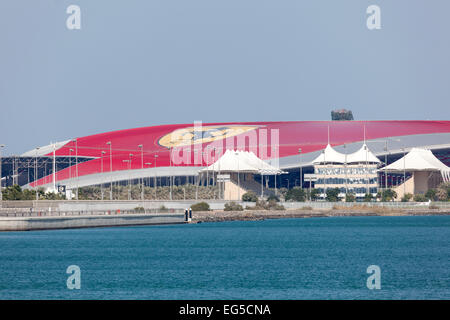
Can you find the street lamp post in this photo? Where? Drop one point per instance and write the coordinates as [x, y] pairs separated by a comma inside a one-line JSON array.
[[262, 184], [1, 175], [207, 164], [101, 185], [197, 176], [221, 186], [70, 163], [404, 173], [325, 176], [129, 175], [239, 182], [129, 178], [385, 164], [110, 170], [142, 167], [346, 169], [148, 164], [36, 174], [155, 182], [301, 167], [54, 168], [76, 163], [13, 162], [170, 173]]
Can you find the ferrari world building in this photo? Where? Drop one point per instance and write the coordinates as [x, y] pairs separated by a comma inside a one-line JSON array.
[[177, 153]]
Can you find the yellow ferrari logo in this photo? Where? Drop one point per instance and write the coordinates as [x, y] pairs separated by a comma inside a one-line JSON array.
[[193, 135]]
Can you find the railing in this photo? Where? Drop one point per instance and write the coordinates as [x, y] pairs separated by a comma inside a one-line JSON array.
[[39, 212], [395, 204]]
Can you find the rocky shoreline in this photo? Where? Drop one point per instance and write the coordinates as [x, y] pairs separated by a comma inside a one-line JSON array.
[[254, 215]]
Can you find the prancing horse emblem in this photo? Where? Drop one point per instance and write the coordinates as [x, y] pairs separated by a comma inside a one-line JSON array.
[[193, 135]]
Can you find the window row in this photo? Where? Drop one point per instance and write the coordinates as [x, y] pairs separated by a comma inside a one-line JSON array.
[[349, 181], [353, 190], [349, 171]]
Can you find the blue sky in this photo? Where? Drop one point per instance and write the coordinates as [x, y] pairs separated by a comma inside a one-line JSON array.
[[142, 63]]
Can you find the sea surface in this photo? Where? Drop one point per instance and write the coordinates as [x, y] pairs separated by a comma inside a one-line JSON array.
[[313, 258]]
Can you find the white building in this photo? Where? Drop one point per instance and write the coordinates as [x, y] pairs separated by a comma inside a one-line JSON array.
[[354, 173]]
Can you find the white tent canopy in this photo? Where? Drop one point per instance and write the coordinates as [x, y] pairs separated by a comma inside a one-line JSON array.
[[419, 160], [241, 161], [329, 155], [362, 155]]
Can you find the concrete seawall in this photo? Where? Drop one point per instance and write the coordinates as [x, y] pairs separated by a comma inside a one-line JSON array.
[[68, 222]]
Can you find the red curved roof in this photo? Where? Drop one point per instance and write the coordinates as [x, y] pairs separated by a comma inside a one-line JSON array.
[[308, 135]]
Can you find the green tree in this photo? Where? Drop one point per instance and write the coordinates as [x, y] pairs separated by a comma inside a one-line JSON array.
[[333, 194], [407, 197], [249, 196], [368, 197], [233, 206], [387, 195], [201, 206], [420, 198], [295, 194], [273, 197], [314, 194], [431, 194], [350, 197], [53, 196], [13, 193]]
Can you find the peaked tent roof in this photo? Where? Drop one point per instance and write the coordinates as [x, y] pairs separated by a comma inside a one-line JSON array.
[[419, 160], [329, 155], [242, 161], [362, 155]]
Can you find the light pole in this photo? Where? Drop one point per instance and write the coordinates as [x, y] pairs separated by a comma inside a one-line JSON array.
[[239, 182], [216, 179], [101, 185], [385, 165], [14, 170], [301, 168], [170, 173], [148, 164], [262, 184], [207, 164], [404, 173], [367, 169], [129, 175], [325, 176], [346, 169], [54, 168], [36, 174], [275, 181], [197, 176], [76, 163], [1, 175], [142, 167], [155, 182], [70, 163], [110, 170]]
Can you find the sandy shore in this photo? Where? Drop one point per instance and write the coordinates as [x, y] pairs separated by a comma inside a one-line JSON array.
[[249, 215]]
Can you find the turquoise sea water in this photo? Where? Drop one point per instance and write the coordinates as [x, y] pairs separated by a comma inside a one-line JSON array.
[[316, 258]]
